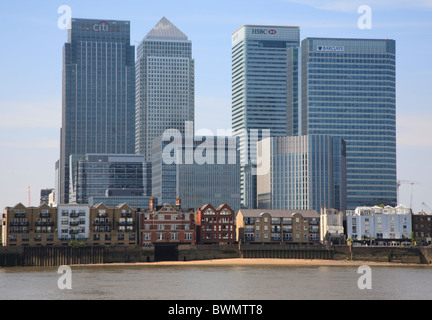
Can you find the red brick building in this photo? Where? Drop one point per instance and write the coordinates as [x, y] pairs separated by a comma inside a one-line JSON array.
[[215, 225], [166, 224]]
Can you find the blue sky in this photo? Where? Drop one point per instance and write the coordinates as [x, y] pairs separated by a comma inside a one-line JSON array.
[[31, 66]]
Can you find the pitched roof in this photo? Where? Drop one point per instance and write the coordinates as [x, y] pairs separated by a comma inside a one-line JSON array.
[[164, 29]]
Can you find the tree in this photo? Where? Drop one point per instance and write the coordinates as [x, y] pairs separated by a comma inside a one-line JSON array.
[[349, 243], [77, 244], [413, 242]]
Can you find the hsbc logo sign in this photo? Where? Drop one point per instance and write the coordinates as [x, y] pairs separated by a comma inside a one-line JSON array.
[[264, 31]]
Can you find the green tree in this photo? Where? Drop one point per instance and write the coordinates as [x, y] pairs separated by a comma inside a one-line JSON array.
[[77, 244]]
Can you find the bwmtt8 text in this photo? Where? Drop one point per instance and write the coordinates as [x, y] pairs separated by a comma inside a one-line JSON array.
[[217, 309]]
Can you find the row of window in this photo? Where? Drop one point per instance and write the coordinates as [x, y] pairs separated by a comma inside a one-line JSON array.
[[279, 237], [286, 221], [163, 236]]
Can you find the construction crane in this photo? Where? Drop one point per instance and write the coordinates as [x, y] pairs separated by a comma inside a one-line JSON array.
[[399, 183], [427, 207]]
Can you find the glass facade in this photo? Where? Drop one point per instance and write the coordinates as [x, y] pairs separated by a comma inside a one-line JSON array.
[[98, 113], [165, 84], [198, 170], [100, 175], [349, 91], [305, 173], [264, 92]]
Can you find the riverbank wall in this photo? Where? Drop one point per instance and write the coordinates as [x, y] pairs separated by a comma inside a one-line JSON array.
[[56, 256]]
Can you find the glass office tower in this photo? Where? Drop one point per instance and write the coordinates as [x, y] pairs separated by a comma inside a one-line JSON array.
[[349, 91], [198, 170], [264, 92], [98, 114], [100, 175], [165, 84], [304, 173]]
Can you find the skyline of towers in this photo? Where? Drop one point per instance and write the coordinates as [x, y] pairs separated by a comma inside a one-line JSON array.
[[347, 91]]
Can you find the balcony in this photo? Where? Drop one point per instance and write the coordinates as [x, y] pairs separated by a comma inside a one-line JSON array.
[[126, 223], [313, 230], [275, 229], [249, 221], [102, 223], [75, 231], [44, 223], [275, 221]]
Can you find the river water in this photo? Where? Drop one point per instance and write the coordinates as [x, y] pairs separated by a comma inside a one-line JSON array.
[[146, 282]]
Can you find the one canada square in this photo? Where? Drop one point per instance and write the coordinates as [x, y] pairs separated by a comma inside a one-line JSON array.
[[165, 85], [98, 113], [264, 93], [349, 91]]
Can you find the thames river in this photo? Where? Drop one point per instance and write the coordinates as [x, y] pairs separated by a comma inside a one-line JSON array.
[[237, 282]]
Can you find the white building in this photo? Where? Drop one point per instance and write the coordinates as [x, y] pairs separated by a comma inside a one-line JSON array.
[[73, 222], [388, 223], [331, 224]]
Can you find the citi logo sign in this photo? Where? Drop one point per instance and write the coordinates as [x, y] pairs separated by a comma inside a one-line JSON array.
[[264, 31], [102, 26]]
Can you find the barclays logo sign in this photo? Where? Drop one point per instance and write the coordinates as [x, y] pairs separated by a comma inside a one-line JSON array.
[[331, 48]]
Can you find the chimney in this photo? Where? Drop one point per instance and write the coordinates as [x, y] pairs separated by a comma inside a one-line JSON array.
[[151, 204], [178, 202]]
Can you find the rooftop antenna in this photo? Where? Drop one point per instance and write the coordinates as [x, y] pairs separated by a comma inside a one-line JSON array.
[[29, 196]]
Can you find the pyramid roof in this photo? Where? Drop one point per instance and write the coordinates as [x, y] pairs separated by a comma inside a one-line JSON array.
[[164, 29]]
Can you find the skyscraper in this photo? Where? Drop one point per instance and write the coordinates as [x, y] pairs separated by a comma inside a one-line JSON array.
[[349, 91], [98, 114], [264, 92], [304, 173], [165, 85]]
